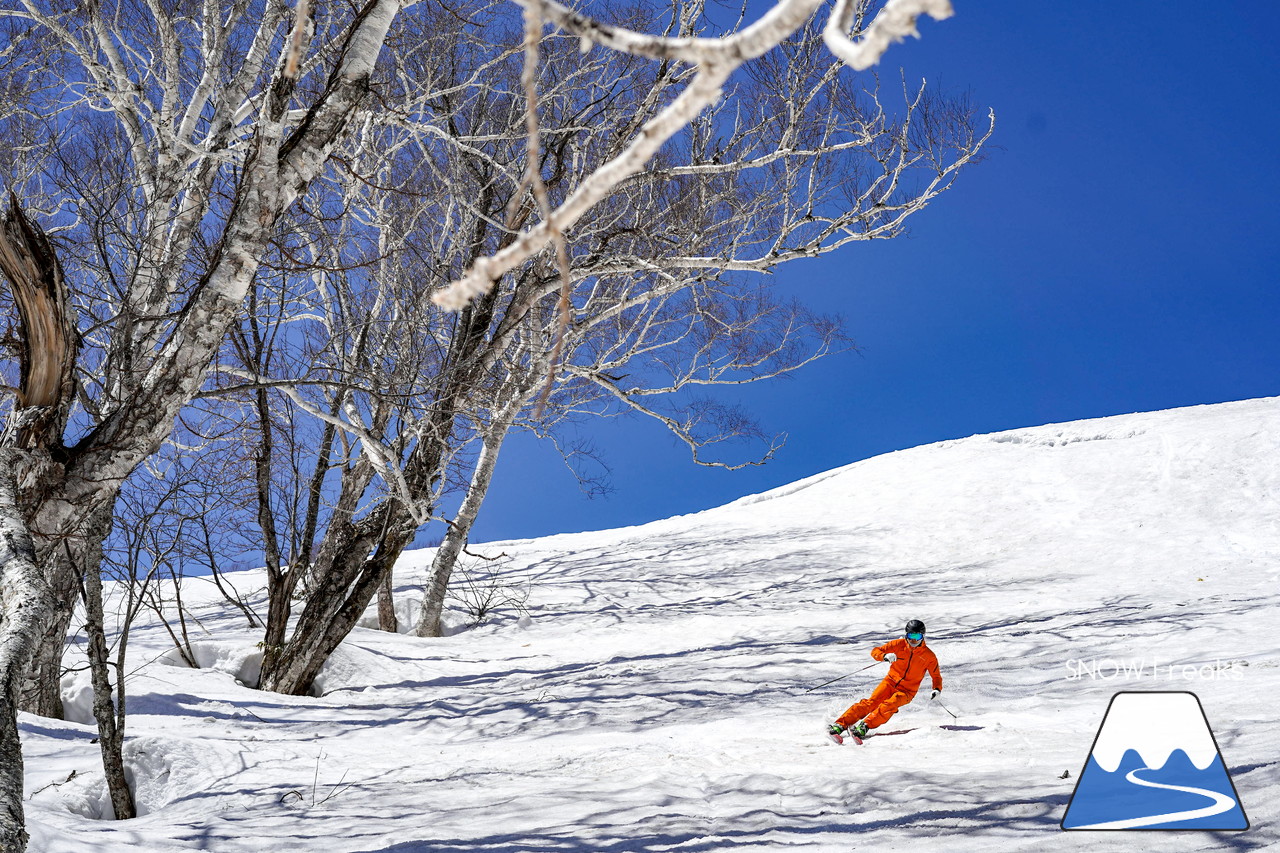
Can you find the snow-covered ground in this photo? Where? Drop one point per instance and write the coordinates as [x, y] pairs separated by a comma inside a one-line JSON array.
[[657, 696]]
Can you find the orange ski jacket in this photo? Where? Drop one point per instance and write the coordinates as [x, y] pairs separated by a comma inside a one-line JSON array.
[[908, 670]]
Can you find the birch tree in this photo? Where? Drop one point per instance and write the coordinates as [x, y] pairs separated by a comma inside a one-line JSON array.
[[172, 139], [177, 135], [665, 297]]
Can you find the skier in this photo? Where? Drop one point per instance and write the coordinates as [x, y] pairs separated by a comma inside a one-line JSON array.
[[910, 659]]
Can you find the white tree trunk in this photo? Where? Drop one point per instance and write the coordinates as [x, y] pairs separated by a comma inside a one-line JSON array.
[[460, 529], [26, 608]]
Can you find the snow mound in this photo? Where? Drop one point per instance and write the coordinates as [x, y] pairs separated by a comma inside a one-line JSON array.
[[241, 661], [407, 609], [77, 698], [160, 771], [358, 667], [164, 770]]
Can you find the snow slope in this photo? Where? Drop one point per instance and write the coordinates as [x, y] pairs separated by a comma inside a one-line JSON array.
[[658, 695]]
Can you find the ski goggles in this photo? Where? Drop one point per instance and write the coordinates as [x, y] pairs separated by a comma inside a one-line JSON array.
[[915, 636]]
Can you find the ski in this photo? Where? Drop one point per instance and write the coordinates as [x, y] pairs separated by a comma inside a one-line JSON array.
[[846, 735], [839, 737]]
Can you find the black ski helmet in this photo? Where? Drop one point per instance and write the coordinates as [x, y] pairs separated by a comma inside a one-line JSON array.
[[915, 626]]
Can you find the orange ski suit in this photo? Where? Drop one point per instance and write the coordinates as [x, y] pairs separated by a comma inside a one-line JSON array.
[[899, 686]]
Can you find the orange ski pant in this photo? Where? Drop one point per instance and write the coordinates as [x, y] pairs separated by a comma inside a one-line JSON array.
[[877, 708]]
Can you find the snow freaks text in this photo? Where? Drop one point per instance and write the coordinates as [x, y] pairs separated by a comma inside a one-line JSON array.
[[1108, 669]]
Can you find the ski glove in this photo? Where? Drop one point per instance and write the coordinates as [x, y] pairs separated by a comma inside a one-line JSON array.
[[890, 657], [935, 694]]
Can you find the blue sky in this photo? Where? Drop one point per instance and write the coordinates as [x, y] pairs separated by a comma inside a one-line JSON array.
[[1118, 253]]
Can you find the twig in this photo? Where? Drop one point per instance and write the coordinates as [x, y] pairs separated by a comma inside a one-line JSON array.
[[482, 556], [54, 784], [337, 789]]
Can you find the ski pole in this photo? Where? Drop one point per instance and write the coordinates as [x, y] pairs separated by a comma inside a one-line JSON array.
[[945, 708], [841, 678]]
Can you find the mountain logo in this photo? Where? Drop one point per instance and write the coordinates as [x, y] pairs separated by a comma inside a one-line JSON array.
[[1155, 765]]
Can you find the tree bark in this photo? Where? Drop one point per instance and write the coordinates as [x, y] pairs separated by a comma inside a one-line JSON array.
[[336, 605], [72, 540], [47, 332], [27, 605], [455, 540], [41, 691], [279, 607], [110, 717], [387, 620], [48, 344]]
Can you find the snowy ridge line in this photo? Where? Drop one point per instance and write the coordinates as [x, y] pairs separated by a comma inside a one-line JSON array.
[[1105, 428], [1116, 427], [1055, 434], [1062, 438], [793, 488]]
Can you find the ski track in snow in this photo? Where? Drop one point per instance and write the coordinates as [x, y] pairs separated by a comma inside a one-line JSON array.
[[657, 698]]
